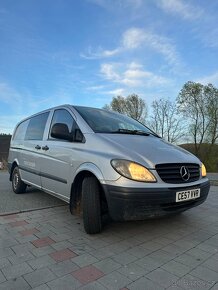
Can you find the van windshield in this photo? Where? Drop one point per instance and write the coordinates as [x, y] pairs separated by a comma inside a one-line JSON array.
[[103, 121]]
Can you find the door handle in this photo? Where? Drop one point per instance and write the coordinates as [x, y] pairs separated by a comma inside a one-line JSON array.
[[45, 148], [38, 147]]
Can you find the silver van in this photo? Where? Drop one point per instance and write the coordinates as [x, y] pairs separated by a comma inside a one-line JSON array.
[[104, 163]]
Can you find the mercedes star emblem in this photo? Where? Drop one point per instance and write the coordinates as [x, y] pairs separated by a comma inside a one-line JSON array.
[[184, 172]]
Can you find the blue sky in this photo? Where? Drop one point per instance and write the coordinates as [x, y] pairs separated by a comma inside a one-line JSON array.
[[85, 52]]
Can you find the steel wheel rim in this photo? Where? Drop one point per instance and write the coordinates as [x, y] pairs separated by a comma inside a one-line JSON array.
[[15, 180]]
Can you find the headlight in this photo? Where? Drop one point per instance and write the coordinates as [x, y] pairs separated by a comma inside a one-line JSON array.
[[132, 170], [203, 170]]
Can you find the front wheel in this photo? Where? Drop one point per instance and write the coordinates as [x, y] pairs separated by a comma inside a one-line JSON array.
[[18, 185], [91, 204]]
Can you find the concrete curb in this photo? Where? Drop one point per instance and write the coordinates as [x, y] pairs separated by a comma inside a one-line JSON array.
[[214, 182]]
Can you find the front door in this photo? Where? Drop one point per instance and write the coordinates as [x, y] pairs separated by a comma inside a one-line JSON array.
[[57, 164]]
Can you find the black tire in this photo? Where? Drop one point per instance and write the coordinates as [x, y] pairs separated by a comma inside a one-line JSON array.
[[91, 205], [18, 185]]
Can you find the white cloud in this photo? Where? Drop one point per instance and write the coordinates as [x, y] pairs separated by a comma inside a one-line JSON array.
[[203, 20], [134, 11], [181, 8], [136, 38], [95, 88], [117, 92], [132, 75], [118, 5], [99, 53], [108, 53], [136, 73], [133, 38], [210, 79], [109, 72]]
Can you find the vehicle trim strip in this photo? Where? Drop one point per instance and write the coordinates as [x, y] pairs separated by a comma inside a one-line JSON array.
[[49, 176]]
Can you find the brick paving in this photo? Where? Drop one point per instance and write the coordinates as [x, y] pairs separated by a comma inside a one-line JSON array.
[[48, 249]]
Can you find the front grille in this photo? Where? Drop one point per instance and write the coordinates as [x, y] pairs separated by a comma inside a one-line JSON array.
[[170, 172]]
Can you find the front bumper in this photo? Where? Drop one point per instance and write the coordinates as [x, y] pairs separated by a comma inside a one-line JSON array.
[[126, 203]]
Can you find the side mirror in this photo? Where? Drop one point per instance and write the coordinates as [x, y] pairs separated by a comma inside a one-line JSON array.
[[61, 131]]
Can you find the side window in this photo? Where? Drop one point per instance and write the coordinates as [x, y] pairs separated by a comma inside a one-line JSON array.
[[21, 131], [64, 117], [36, 127]]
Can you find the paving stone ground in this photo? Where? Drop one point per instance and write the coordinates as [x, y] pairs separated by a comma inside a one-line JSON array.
[[48, 249], [32, 199]]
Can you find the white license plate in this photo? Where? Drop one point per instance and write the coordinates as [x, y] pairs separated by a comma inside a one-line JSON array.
[[187, 194]]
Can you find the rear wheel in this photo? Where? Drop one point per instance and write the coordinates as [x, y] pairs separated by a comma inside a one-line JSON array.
[[91, 205], [17, 184]]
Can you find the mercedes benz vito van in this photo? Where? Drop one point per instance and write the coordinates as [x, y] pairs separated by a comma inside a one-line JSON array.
[[102, 162]]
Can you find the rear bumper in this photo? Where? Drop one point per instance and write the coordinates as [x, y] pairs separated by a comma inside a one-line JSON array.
[[138, 204]]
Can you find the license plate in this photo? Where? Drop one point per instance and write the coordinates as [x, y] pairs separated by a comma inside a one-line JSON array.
[[187, 194]]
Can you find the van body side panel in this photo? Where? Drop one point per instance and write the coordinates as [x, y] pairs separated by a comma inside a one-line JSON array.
[[28, 161], [57, 167]]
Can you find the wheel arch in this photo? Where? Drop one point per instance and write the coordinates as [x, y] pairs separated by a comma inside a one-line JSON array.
[[76, 187], [13, 165]]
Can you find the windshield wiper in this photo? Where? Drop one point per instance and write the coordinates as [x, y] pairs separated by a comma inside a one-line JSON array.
[[134, 132], [131, 132]]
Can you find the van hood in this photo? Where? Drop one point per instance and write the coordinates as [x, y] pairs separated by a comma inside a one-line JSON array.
[[149, 150]]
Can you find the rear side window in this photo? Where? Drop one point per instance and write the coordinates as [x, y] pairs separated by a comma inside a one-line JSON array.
[[21, 131], [36, 127]]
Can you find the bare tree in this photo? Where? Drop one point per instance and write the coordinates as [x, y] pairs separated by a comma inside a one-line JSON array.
[[165, 120], [199, 104], [132, 106], [136, 107], [211, 95]]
